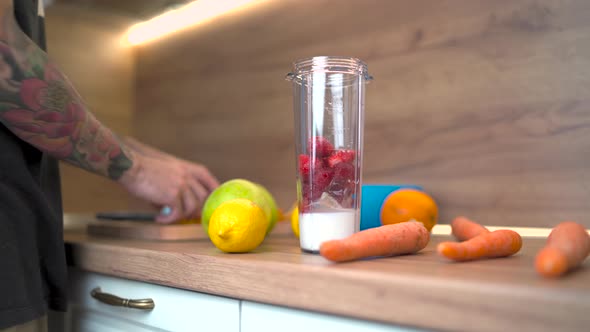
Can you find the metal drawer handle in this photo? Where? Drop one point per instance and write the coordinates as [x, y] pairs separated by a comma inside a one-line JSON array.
[[110, 299]]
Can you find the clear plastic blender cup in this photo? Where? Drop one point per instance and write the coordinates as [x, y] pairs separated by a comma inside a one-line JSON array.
[[329, 94]]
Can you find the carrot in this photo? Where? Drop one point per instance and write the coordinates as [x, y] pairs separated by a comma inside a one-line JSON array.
[[567, 246], [500, 243], [387, 240], [465, 229]]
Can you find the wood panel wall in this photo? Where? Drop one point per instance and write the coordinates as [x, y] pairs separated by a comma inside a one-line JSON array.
[[484, 103], [86, 46]]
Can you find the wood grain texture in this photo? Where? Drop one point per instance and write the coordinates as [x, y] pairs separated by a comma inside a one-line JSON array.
[[483, 103], [420, 290], [86, 46]]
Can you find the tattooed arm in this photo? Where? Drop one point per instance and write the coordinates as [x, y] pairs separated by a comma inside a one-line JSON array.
[[40, 106]]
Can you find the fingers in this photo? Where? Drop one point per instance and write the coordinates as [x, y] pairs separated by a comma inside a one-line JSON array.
[[170, 213], [186, 205], [204, 176], [209, 180], [180, 198], [191, 204], [181, 186], [200, 193]]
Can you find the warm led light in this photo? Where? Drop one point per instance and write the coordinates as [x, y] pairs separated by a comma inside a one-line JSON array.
[[191, 14]]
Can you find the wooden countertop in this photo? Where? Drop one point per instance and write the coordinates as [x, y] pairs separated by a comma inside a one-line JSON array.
[[420, 290]]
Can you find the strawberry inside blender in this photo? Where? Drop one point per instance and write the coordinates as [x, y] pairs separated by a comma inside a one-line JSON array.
[[327, 175]]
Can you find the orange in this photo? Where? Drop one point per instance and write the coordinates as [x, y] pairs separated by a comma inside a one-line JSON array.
[[407, 204], [282, 215]]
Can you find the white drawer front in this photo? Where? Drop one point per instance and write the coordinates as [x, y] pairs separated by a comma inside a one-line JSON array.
[[258, 317], [175, 309], [84, 320]]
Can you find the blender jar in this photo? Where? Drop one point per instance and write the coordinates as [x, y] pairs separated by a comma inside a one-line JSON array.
[[328, 107]]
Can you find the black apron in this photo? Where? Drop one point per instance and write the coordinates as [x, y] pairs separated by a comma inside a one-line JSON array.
[[33, 272]]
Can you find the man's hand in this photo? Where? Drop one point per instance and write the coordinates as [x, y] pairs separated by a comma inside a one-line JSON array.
[[165, 180]]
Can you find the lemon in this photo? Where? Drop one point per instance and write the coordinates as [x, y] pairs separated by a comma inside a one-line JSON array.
[[236, 188], [295, 221], [238, 225], [275, 213]]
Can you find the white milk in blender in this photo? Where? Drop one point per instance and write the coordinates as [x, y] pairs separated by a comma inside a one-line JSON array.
[[317, 227]]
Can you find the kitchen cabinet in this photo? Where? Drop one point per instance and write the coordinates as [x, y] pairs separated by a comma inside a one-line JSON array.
[[175, 309], [181, 310], [257, 317], [84, 320]]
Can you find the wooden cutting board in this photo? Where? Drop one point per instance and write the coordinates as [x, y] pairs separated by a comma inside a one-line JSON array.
[[146, 230]]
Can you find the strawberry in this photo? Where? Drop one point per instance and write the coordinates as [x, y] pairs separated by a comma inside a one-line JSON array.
[[320, 145], [343, 172], [311, 192], [306, 166], [340, 156], [304, 205], [321, 179]]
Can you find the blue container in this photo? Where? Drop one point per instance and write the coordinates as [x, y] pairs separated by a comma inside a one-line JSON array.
[[372, 198]]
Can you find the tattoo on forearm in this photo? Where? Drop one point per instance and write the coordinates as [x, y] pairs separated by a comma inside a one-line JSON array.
[[39, 105]]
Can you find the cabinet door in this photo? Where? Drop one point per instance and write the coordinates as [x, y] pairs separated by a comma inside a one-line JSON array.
[[258, 317], [85, 320], [175, 309]]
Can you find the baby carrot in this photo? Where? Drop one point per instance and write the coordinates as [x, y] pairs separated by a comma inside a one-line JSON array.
[[387, 240], [465, 229], [500, 243], [567, 246]]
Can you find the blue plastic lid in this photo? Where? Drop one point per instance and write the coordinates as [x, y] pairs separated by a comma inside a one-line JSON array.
[[372, 198]]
